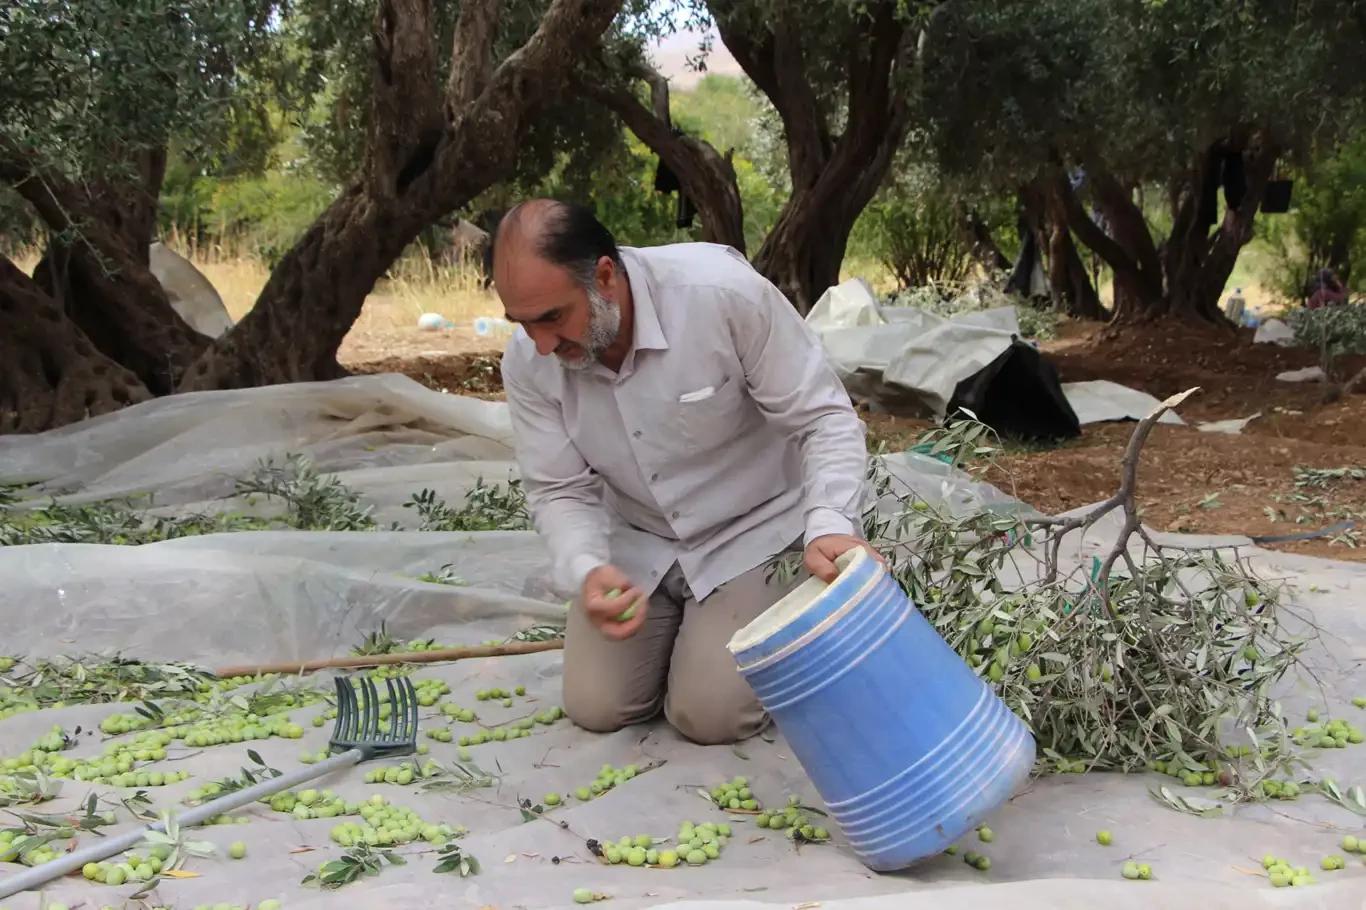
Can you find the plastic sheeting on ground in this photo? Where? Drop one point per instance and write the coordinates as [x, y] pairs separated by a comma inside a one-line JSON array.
[[258, 596], [903, 359]]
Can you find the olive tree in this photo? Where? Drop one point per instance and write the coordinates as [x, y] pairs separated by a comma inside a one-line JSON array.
[[838, 74], [1087, 104], [95, 90]]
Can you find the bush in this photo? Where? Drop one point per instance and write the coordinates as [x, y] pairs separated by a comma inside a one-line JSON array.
[[1333, 331], [952, 298], [913, 229], [1327, 226]]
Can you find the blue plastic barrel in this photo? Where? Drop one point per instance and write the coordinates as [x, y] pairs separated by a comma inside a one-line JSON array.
[[907, 747]]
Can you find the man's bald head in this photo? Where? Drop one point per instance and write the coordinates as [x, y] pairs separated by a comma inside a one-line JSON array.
[[559, 274], [564, 234]]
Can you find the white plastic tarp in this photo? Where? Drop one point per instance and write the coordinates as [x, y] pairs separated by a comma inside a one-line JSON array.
[[270, 595], [1101, 400], [903, 357], [912, 349], [191, 294]]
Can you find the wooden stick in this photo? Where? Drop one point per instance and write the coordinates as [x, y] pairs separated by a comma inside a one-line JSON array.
[[443, 655]]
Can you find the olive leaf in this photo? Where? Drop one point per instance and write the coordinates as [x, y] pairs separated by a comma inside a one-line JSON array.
[[453, 859], [1353, 798], [1191, 805], [359, 862], [20, 788]]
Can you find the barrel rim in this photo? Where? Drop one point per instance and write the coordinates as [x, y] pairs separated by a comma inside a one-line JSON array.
[[792, 607]]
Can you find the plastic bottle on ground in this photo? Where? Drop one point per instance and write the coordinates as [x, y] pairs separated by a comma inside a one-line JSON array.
[[1234, 306], [493, 326]]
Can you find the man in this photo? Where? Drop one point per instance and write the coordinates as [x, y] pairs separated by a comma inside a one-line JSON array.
[[677, 426]]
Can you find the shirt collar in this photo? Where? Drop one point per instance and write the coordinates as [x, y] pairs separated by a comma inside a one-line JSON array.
[[647, 333]]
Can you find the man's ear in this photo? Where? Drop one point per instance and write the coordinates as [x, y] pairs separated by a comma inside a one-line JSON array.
[[606, 273]]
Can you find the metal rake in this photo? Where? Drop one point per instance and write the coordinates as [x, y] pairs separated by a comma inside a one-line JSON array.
[[356, 737], [358, 726]]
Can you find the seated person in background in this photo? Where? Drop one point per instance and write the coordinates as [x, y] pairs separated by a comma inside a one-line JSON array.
[[1325, 289], [677, 426]]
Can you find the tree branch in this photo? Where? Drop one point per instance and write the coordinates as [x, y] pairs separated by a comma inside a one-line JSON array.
[[773, 59], [659, 91], [705, 176], [1124, 498], [1089, 233], [472, 56], [117, 299], [406, 120], [1118, 205]]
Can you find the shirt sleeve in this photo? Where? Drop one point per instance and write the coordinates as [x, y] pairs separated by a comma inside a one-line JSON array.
[[562, 492], [794, 385]]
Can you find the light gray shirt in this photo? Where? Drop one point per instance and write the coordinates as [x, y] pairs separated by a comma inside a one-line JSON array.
[[723, 438]]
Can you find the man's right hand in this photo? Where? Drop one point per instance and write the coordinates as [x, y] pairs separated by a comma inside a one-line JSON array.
[[603, 609]]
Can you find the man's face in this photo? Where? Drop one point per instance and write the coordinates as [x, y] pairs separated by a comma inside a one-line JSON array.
[[564, 319]]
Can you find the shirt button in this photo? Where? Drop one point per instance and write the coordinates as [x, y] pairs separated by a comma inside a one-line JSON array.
[[636, 434], [654, 574], [675, 515], [654, 476]]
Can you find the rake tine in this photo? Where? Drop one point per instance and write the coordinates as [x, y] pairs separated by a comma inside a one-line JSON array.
[[353, 709], [399, 732], [410, 727], [370, 728], [343, 686], [396, 708]]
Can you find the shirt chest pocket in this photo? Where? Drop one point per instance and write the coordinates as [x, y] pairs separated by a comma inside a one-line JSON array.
[[712, 415]]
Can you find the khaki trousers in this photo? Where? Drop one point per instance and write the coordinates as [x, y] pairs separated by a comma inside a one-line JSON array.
[[678, 660]]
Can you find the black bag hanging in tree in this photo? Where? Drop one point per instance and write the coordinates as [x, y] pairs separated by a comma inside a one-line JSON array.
[[1276, 198]]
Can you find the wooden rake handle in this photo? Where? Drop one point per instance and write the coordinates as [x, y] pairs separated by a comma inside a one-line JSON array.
[[443, 655]]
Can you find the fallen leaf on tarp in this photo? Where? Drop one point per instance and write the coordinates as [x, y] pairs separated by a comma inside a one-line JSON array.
[[511, 857], [179, 873], [1191, 805]]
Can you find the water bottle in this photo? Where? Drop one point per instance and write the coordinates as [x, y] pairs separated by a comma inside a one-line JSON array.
[[493, 325], [430, 322], [1234, 306]]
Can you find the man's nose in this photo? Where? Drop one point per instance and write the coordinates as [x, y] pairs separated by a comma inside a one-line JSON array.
[[546, 341]]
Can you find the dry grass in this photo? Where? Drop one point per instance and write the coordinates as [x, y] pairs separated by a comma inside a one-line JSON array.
[[417, 285]]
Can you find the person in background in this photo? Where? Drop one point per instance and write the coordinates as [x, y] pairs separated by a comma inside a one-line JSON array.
[[1324, 290], [677, 427]]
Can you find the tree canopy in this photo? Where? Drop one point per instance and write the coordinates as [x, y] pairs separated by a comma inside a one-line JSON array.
[[1148, 138], [1090, 101]]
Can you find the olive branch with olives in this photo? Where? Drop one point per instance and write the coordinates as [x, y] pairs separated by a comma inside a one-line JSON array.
[[1153, 655]]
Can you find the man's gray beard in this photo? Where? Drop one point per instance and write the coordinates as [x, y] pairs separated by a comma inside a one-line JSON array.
[[604, 322]]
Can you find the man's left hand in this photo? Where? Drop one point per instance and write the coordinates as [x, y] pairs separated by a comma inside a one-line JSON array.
[[822, 552]]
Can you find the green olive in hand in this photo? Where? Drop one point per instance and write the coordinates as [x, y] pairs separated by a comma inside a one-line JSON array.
[[626, 614]]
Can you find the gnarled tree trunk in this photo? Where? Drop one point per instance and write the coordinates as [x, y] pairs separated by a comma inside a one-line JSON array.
[[977, 238], [704, 174], [1185, 276], [97, 270], [1069, 283], [432, 150], [50, 372], [834, 177]]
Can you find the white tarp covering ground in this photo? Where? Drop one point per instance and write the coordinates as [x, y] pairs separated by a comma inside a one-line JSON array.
[[259, 596], [899, 356]]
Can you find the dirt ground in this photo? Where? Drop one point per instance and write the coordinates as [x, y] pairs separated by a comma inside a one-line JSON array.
[[1189, 481]]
